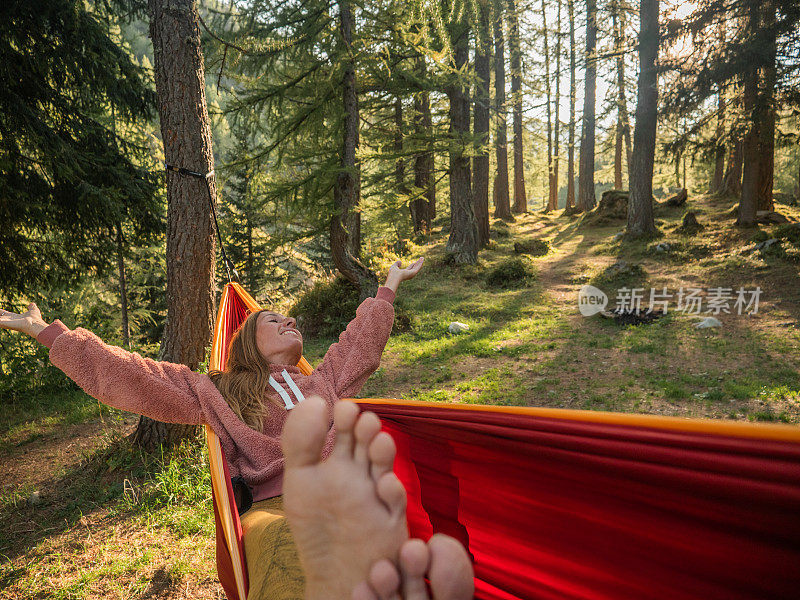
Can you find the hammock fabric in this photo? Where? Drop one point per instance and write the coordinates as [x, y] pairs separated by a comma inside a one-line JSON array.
[[578, 504]]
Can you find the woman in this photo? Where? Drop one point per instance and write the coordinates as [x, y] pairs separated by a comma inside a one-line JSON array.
[[246, 404]]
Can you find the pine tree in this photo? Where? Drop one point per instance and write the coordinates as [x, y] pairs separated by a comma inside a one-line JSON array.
[[502, 202], [586, 196], [640, 205], [462, 244], [69, 179], [520, 196], [570, 205], [186, 131], [481, 121]]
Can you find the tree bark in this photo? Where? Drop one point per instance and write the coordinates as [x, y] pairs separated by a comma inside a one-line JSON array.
[[557, 101], [502, 202], [623, 128], [345, 223], [732, 181], [123, 292], [767, 134], [483, 71], [572, 101], [640, 204], [719, 153], [586, 197], [520, 195], [751, 171], [548, 99], [423, 158], [462, 244], [186, 133], [400, 164], [715, 186]]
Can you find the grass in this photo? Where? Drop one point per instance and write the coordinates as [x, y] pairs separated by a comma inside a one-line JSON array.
[[115, 524]]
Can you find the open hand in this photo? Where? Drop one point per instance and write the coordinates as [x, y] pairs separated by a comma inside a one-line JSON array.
[[29, 322], [397, 273], [409, 272]]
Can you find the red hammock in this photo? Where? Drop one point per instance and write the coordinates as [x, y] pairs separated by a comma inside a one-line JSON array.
[[578, 504]]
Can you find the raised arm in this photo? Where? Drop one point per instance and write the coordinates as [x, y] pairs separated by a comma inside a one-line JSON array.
[[349, 362], [163, 391]]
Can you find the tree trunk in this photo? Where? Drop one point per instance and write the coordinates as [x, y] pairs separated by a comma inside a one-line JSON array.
[[483, 70], [715, 186], [767, 138], [751, 171], [346, 224], [732, 180], [586, 197], [123, 292], [548, 99], [572, 101], [186, 133], [423, 159], [640, 204], [520, 195], [623, 128], [719, 153], [557, 102], [462, 244], [400, 164], [502, 202]]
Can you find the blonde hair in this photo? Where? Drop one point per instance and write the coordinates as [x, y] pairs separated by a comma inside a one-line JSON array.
[[244, 380]]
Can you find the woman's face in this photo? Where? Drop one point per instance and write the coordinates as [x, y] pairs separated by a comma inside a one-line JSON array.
[[277, 338]]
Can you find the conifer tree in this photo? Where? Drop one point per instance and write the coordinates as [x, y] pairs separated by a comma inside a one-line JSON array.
[[586, 197], [481, 122], [68, 179]]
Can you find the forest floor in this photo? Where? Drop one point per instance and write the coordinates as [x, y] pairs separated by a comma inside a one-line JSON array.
[[109, 522]]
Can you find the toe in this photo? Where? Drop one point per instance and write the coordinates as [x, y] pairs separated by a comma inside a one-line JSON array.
[[304, 433], [392, 493], [345, 415], [381, 454], [450, 572], [363, 592], [367, 427], [414, 559], [384, 580]]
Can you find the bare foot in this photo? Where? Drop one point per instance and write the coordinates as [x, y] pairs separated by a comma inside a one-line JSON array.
[[443, 560], [347, 512]]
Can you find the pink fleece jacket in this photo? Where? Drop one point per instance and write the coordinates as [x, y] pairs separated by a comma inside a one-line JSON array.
[[173, 393]]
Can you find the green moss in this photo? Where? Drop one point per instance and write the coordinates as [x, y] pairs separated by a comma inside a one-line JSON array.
[[511, 273]]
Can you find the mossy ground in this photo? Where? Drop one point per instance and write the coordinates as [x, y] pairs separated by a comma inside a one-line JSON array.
[[115, 524]]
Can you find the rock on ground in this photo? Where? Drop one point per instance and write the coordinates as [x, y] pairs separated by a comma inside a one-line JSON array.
[[456, 327]]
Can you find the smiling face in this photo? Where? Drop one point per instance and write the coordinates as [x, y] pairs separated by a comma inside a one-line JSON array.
[[277, 338]]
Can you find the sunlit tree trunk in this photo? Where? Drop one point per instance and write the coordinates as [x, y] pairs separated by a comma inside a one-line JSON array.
[[767, 137], [462, 244], [548, 99], [557, 106], [483, 71], [640, 204], [423, 158], [520, 195], [623, 127], [345, 224], [719, 153], [586, 197], [502, 203], [572, 100], [715, 186], [186, 133]]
